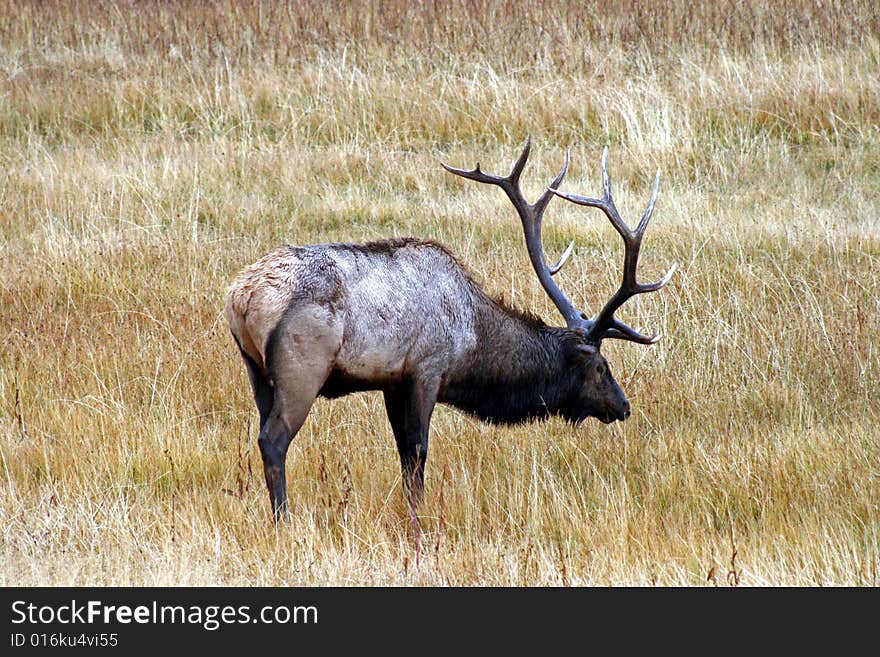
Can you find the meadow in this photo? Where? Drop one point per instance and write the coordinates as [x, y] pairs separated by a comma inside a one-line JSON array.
[[149, 151]]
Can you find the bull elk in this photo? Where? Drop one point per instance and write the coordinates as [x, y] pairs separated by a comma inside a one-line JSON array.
[[404, 316]]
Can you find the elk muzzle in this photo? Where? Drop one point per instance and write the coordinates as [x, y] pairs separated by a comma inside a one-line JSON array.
[[616, 406]]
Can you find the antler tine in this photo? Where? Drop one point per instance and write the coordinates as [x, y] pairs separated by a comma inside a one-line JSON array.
[[531, 216], [621, 331], [544, 199], [606, 203], [605, 325], [541, 204], [562, 259], [509, 183], [520, 163], [606, 179], [646, 217]]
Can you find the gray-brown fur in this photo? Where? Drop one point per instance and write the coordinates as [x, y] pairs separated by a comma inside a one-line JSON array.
[[402, 316], [405, 317]]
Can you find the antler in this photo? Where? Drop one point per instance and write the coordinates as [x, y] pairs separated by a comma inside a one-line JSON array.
[[531, 216], [605, 325]]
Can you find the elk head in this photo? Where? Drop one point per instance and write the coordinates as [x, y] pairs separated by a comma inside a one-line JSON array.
[[600, 395]]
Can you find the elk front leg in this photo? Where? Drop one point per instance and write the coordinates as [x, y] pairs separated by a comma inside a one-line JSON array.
[[409, 408]]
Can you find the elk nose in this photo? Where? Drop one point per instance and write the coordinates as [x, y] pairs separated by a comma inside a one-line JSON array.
[[626, 411]]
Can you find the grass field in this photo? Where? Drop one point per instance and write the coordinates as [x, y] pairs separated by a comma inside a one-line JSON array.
[[150, 151]]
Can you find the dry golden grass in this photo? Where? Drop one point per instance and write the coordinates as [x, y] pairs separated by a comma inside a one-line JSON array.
[[151, 151]]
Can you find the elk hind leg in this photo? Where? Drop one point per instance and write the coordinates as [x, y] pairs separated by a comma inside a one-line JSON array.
[[298, 363], [264, 396]]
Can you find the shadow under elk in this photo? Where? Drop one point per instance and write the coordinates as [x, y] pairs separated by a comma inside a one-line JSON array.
[[404, 316]]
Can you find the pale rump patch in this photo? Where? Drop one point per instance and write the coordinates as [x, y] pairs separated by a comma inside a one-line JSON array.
[[258, 297]]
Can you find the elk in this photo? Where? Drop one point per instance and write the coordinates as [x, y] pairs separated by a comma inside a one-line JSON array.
[[404, 316]]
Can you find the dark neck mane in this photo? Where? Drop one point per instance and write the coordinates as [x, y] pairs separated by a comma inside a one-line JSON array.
[[521, 369]]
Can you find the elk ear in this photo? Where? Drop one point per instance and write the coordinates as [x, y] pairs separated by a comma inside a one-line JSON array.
[[588, 349]]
